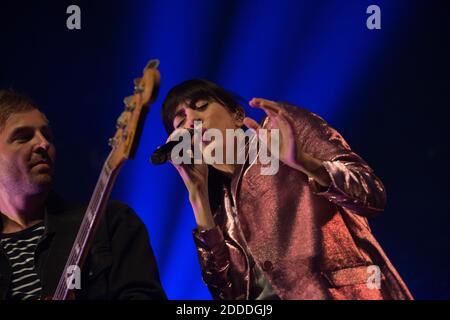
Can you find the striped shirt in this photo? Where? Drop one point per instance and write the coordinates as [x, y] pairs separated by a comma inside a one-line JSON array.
[[19, 248]]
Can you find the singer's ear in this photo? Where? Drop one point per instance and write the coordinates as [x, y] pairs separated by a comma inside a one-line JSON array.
[[239, 116]]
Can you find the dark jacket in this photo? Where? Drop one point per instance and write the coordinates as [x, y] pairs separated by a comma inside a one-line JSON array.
[[120, 264]]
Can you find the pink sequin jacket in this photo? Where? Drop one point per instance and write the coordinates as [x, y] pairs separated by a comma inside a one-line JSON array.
[[309, 242]]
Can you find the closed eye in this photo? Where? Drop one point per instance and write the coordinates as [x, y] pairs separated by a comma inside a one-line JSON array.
[[181, 113], [179, 123], [176, 117], [25, 134], [21, 135], [202, 106]]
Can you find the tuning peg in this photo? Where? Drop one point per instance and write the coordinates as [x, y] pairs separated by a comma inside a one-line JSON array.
[[128, 101], [137, 85], [130, 108], [138, 89], [120, 124], [152, 64], [121, 121], [137, 81], [112, 142], [129, 105]]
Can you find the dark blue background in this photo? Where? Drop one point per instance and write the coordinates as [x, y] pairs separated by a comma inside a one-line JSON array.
[[387, 91]]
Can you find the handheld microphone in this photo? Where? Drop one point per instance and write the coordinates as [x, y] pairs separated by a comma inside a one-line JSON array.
[[164, 153]]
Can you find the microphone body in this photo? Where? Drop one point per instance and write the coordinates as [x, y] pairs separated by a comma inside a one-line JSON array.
[[164, 153]]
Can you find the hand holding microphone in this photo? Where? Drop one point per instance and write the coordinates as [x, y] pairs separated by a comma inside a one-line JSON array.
[[195, 176], [164, 153]]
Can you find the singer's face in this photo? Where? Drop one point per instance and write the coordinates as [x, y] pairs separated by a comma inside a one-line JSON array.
[[212, 114]]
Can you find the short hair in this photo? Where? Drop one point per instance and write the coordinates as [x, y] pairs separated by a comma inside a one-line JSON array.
[[194, 90], [13, 102]]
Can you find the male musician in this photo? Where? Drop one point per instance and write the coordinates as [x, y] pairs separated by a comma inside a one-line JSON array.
[[38, 229]]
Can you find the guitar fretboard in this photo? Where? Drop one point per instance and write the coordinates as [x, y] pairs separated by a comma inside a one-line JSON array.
[[88, 227]]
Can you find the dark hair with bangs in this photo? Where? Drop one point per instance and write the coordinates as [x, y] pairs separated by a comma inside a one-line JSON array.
[[192, 91]]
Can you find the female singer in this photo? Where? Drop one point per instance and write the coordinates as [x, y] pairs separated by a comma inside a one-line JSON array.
[[301, 233]]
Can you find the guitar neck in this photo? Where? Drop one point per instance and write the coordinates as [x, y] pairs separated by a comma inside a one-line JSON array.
[[88, 227], [124, 143]]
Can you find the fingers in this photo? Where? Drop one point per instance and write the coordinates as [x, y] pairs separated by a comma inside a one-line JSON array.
[[265, 104], [184, 170], [285, 118], [172, 135], [177, 135], [193, 176], [272, 109], [250, 123]]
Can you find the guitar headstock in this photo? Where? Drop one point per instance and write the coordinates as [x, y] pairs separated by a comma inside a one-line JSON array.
[[130, 122]]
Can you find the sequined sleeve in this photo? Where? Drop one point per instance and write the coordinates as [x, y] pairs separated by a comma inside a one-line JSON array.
[[353, 183], [214, 260]]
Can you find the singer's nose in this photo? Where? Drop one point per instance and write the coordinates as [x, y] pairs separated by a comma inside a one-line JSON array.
[[191, 124], [191, 117]]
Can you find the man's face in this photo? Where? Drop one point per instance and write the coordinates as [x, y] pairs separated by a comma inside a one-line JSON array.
[[27, 153]]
